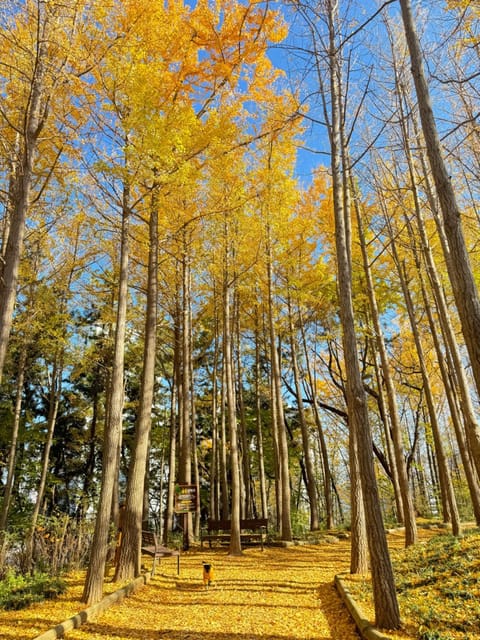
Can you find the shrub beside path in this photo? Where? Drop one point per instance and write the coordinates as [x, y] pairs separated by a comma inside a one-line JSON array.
[[277, 594]]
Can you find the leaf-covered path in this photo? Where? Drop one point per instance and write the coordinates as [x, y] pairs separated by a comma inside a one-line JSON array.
[[277, 594]]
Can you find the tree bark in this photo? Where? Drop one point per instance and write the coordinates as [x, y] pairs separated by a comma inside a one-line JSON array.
[[307, 455], [448, 495], [129, 561], [458, 261], [387, 614], [401, 467], [284, 498], [93, 588], [12, 453]]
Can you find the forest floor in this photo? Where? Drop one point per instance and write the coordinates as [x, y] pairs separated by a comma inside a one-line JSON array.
[[275, 594]]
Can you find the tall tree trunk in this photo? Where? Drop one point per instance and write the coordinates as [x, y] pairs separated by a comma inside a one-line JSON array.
[[277, 402], [470, 474], [225, 492], [387, 614], [129, 561], [174, 414], [470, 421], [397, 437], [327, 475], [185, 410], [53, 403], [21, 184], [93, 588], [258, 415], [307, 451], [246, 506], [214, 479], [235, 547], [457, 259], [172, 465], [12, 453], [449, 501]]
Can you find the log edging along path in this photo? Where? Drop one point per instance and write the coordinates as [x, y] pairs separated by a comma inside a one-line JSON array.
[[90, 612], [364, 626]]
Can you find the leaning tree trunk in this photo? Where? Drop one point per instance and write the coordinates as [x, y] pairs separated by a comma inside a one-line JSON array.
[[387, 614], [457, 260], [448, 495], [472, 428], [471, 425], [397, 436]]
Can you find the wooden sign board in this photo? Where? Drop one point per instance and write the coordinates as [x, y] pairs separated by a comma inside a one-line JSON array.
[[186, 498]]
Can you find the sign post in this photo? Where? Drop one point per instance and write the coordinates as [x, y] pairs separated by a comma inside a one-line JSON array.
[[186, 501]]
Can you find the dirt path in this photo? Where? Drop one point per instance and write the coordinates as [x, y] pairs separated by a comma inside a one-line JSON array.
[[278, 594]]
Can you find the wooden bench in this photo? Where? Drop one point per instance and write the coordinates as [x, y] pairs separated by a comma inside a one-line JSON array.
[[151, 547], [252, 531]]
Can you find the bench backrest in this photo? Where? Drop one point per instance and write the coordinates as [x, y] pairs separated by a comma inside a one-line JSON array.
[[226, 525], [149, 539], [254, 523]]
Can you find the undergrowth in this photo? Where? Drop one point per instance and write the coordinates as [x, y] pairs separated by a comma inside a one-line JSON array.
[[20, 591], [438, 586]]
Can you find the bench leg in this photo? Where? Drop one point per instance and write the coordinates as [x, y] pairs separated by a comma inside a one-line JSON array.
[[153, 565], [178, 565]]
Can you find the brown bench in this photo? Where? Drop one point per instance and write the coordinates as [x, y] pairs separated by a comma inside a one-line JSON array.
[[151, 547], [252, 531]]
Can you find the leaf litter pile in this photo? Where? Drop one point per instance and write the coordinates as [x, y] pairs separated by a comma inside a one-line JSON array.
[[275, 594]]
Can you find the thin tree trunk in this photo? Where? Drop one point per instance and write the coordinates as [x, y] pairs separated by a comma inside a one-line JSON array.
[[258, 414], [235, 547], [12, 453], [471, 425], [185, 454], [284, 498], [307, 452], [53, 403], [214, 505], [246, 506], [225, 493], [327, 475], [397, 437], [449, 501]]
